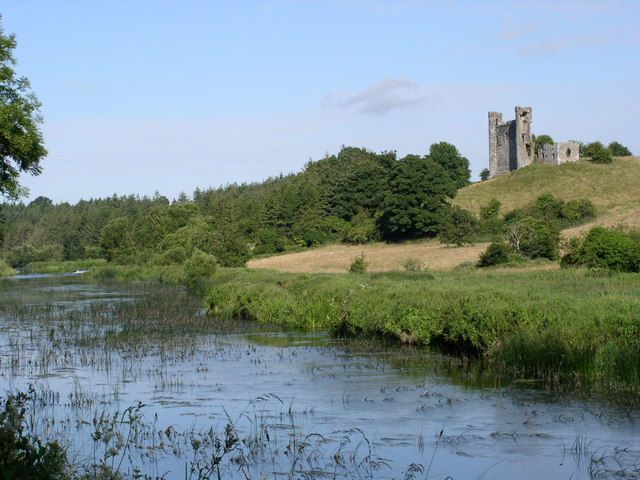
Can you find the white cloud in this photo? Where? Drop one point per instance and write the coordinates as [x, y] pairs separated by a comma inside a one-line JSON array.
[[382, 97]]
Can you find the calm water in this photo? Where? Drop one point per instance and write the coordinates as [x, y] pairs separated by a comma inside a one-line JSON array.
[[298, 402]]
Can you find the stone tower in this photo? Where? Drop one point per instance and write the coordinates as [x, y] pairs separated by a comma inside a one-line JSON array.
[[510, 143]]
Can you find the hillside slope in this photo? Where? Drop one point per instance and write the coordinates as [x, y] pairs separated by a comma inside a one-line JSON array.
[[613, 188]]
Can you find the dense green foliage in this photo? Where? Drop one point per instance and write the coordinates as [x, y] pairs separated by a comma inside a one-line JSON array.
[[459, 227], [614, 249], [355, 196], [618, 150], [200, 265], [567, 326], [21, 143], [497, 253], [22, 455], [531, 232], [597, 153], [359, 265], [484, 174]]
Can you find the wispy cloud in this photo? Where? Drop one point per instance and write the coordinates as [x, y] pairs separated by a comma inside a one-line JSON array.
[[382, 97], [543, 49]]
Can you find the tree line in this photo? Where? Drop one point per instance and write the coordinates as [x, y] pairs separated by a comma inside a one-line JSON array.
[[355, 196]]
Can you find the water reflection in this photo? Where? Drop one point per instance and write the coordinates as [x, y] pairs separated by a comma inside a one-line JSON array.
[[305, 401]]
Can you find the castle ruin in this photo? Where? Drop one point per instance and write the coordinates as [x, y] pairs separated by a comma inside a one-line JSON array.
[[511, 145]]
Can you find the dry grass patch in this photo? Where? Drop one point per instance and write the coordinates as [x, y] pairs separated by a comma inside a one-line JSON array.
[[382, 257]]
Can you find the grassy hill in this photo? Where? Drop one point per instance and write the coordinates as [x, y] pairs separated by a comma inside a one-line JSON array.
[[613, 188]]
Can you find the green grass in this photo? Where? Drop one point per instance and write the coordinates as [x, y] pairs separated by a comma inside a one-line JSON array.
[[6, 270], [64, 266], [568, 327], [612, 188]]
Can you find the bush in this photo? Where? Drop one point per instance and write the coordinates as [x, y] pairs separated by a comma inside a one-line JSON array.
[[361, 229], [534, 238], [459, 227], [359, 264], [618, 150], [21, 255], [22, 455], [547, 208], [6, 270], [490, 222], [484, 174], [613, 249], [199, 265], [173, 256], [412, 264], [497, 253], [597, 153], [578, 210]]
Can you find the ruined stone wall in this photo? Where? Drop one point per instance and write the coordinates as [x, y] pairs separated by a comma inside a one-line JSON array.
[[567, 152], [495, 119], [511, 145], [559, 153], [524, 141]]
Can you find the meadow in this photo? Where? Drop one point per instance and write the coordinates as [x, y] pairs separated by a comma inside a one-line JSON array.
[[573, 329]]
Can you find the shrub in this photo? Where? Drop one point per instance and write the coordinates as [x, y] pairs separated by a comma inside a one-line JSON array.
[[173, 256], [597, 153], [497, 253], [618, 150], [578, 210], [490, 222], [547, 208], [459, 227], [484, 174], [359, 264], [534, 238], [23, 455], [6, 270], [361, 229], [199, 265], [612, 249], [413, 264]]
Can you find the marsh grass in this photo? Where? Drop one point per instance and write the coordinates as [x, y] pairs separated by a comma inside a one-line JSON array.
[[568, 328]]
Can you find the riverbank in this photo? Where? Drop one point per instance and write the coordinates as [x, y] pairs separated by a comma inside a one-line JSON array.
[[570, 327]]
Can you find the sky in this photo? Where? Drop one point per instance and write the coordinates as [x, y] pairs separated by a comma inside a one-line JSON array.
[[167, 96]]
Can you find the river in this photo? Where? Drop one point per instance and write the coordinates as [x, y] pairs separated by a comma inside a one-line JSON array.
[[138, 379]]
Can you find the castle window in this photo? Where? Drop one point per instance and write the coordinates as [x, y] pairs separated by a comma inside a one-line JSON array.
[[568, 152]]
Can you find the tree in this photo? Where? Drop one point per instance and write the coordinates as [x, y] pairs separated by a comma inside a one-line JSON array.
[[533, 238], [484, 174], [459, 228], [597, 153], [447, 156], [542, 140], [416, 204], [21, 143], [618, 150]]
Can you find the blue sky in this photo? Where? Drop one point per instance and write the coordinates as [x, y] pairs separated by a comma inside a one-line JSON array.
[[169, 96]]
